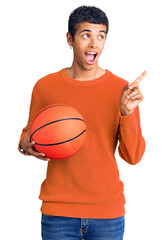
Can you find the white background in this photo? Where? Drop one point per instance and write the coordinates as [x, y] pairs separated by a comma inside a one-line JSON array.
[[33, 44]]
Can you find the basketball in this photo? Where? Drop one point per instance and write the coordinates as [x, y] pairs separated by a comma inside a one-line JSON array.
[[58, 131]]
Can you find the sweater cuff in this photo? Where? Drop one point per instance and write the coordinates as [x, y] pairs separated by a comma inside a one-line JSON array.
[[128, 117], [129, 124]]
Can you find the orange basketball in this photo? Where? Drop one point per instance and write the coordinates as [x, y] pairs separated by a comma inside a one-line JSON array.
[[58, 131]]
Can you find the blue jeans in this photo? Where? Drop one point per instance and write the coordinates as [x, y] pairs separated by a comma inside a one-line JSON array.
[[68, 228]]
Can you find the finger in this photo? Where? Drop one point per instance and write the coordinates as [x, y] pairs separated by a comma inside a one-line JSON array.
[[34, 153], [126, 90], [138, 97], [44, 159], [27, 145], [133, 85], [30, 144], [41, 156], [126, 87], [38, 155], [134, 93], [138, 80]]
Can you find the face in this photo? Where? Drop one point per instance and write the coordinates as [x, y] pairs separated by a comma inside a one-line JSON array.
[[88, 44]]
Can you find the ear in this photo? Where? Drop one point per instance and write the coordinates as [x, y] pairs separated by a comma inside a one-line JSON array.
[[69, 39]]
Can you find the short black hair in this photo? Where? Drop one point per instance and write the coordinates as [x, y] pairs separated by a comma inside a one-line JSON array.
[[89, 14]]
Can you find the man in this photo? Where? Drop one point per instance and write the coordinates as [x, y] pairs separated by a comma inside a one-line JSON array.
[[82, 197]]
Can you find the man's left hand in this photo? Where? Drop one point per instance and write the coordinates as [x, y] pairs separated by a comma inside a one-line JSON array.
[[131, 96]]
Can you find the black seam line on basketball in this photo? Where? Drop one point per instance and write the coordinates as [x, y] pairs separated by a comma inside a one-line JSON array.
[[63, 157], [52, 144], [54, 105], [55, 122]]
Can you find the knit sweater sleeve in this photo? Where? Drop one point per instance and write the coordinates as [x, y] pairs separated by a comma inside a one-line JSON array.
[[35, 106], [131, 142]]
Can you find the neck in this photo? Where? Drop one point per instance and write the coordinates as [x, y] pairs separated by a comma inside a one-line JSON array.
[[78, 73]]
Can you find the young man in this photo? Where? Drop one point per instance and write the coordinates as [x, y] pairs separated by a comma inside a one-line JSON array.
[[82, 197]]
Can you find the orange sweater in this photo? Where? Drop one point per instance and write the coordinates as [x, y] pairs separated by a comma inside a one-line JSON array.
[[87, 185]]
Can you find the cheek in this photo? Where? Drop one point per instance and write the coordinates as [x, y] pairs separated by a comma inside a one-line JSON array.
[[101, 47], [79, 51]]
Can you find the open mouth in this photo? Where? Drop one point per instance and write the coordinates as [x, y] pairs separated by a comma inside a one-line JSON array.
[[90, 57]]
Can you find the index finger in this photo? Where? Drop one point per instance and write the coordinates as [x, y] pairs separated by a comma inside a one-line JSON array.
[[138, 80]]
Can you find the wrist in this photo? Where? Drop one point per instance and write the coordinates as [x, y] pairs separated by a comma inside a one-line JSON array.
[[125, 113], [22, 150]]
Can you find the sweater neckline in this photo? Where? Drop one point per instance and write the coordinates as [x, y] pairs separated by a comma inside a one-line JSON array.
[[84, 83]]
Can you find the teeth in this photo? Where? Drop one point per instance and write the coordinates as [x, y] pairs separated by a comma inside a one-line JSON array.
[[91, 53]]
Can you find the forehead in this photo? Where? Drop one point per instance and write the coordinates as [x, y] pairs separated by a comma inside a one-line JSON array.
[[91, 26]]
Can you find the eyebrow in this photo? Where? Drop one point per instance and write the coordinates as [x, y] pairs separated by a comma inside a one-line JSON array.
[[87, 30]]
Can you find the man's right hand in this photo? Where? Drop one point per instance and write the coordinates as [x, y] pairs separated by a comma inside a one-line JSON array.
[[28, 147]]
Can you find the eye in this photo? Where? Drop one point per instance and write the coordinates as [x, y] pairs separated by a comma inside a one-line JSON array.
[[101, 37], [85, 35]]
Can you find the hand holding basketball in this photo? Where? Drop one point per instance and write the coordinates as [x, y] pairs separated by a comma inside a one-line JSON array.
[[58, 130], [27, 146], [131, 96]]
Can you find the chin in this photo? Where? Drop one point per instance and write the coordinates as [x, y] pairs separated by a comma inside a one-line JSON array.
[[90, 66]]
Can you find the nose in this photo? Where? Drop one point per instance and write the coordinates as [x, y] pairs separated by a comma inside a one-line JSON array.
[[93, 43]]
